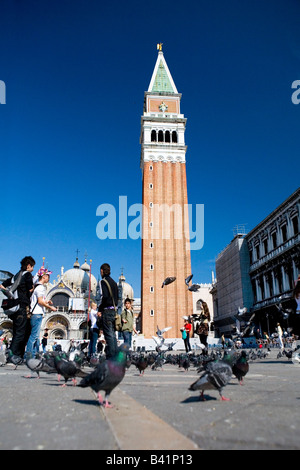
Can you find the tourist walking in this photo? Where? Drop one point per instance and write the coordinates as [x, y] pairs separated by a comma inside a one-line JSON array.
[[188, 329], [280, 333], [107, 307]]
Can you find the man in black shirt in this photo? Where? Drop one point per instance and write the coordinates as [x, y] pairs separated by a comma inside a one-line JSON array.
[[21, 324], [106, 307]]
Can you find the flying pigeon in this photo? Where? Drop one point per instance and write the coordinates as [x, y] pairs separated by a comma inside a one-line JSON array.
[[194, 287], [168, 280], [161, 332], [107, 375], [216, 377], [241, 368], [285, 313], [188, 279], [242, 311], [159, 342]]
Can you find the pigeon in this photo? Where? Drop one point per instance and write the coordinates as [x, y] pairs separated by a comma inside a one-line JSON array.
[[161, 332], [194, 287], [242, 311], [141, 364], [107, 375], [188, 279], [12, 358], [215, 377], [285, 313], [168, 280], [35, 364], [241, 367], [67, 369]]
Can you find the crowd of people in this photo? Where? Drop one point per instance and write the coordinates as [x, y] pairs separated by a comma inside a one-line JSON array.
[[31, 296], [31, 302]]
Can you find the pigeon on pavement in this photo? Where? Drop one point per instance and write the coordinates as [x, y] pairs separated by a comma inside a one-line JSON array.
[[216, 377], [241, 367], [107, 375]]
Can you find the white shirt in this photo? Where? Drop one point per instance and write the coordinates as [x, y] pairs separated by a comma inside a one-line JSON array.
[[93, 318], [35, 308]]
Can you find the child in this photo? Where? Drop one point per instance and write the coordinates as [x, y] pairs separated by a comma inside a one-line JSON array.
[[94, 330]]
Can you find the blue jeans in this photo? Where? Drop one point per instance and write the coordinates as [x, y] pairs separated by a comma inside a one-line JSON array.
[[108, 318], [94, 334], [33, 344], [127, 335]]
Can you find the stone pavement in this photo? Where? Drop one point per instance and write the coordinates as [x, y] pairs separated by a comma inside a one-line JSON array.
[[154, 412]]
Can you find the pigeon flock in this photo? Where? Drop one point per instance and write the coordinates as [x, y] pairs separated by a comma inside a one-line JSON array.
[[216, 367]]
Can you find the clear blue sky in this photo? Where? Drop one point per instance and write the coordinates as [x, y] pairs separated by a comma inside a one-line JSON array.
[[75, 74]]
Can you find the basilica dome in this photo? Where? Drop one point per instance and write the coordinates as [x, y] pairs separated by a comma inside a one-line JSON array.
[[78, 278], [125, 289]]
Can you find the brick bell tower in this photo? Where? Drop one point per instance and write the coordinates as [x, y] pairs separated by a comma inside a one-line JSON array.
[[165, 227]]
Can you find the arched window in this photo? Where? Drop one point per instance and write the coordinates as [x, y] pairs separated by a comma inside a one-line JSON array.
[[153, 136], [167, 136], [160, 136], [174, 137]]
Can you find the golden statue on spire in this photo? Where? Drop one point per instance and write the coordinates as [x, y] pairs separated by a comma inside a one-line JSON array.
[[159, 46]]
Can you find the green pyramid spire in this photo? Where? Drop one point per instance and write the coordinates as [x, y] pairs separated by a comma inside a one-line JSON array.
[[162, 82]]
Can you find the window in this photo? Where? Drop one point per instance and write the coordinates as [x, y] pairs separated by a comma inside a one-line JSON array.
[[153, 136], [174, 137], [151, 313], [151, 289], [265, 245], [150, 224], [284, 233], [257, 251], [150, 204], [160, 136], [151, 267], [151, 245], [167, 136], [151, 186], [295, 225], [151, 168], [274, 240]]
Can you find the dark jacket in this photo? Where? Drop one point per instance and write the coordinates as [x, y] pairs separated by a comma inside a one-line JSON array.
[[106, 300], [24, 289]]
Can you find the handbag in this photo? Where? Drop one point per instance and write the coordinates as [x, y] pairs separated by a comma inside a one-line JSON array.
[[118, 322], [12, 304]]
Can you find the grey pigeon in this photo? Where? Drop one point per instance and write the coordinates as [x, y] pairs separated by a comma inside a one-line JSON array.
[[188, 279], [168, 280], [216, 377], [107, 375], [36, 364]]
